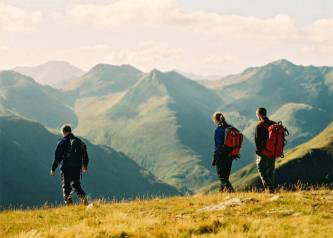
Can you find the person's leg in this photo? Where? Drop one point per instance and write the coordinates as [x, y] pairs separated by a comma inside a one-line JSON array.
[[76, 184], [271, 167], [228, 165], [66, 187], [223, 166], [263, 170]]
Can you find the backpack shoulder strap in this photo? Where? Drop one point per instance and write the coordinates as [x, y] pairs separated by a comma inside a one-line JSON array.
[[263, 124]]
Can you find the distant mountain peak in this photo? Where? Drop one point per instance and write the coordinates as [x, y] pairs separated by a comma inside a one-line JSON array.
[[282, 62], [55, 73], [155, 72], [103, 79], [57, 62], [107, 67]]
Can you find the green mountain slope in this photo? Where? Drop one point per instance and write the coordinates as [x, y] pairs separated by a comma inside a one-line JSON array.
[[104, 79], [309, 163], [163, 123], [22, 95], [278, 83], [27, 151], [303, 121]]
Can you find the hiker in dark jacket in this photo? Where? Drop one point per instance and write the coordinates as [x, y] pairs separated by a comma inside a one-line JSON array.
[[72, 154], [265, 165], [221, 160]]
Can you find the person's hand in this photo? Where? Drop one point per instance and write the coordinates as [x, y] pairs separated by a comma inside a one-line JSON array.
[[84, 169], [52, 173]]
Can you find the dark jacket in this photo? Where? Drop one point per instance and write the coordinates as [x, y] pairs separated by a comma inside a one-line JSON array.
[[261, 134], [62, 150]]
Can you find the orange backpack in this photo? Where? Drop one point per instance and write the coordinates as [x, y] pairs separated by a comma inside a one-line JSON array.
[[276, 140], [233, 139]]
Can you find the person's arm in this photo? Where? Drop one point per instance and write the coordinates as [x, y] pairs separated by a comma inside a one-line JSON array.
[[219, 142], [259, 139], [58, 156], [85, 157]]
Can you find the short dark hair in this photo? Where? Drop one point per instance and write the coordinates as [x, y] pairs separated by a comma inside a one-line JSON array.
[[262, 111], [66, 129]]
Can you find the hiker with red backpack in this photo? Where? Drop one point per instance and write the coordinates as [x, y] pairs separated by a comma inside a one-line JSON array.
[[228, 141], [269, 140], [72, 154]]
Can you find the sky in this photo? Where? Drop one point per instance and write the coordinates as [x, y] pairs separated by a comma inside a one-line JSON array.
[[211, 37]]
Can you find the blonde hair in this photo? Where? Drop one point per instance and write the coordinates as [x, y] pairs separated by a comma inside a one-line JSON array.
[[218, 118]]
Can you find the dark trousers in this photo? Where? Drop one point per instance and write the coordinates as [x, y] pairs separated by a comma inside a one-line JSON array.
[[70, 179], [266, 168], [223, 168]]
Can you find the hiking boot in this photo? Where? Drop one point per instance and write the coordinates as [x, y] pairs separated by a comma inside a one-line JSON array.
[[269, 190], [84, 201], [68, 201], [227, 190]]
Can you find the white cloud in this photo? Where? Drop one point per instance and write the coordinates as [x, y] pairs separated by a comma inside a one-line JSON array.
[[194, 40], [147, 55], [4, 48], [121, 12], [168, 12], [233, 36], [218, 60], [96, 47], [14, 19], [321, 31]]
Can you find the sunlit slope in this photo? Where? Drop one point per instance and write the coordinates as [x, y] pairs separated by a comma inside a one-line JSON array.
[[304, 214], [164, 124]]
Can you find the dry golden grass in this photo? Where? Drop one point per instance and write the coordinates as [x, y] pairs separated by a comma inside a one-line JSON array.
[[285, 214]]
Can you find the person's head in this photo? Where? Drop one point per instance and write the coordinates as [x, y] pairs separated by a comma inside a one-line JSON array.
[[66, 130], [219, 119], [261, 113]]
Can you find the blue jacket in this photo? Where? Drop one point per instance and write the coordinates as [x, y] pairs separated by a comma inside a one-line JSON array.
[[219, 138]]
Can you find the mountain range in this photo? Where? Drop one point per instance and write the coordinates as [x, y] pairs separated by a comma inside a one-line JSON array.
[[161, 121]]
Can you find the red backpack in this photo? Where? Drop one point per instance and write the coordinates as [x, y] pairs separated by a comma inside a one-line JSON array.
[[233, 139], [276, 140]]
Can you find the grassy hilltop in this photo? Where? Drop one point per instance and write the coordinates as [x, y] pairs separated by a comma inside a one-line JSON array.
[[286, 214]]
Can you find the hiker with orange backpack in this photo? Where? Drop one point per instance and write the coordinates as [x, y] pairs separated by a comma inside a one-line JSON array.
[[269, 140], [228, 141]]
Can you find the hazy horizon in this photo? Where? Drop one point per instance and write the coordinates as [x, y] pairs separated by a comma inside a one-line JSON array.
[[215, 38]]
